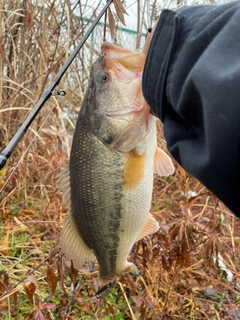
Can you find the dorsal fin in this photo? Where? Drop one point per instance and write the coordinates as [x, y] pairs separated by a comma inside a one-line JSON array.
[[71, 244], [63, 184], [72, 247]]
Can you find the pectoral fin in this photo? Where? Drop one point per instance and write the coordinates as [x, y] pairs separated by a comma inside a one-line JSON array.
[[163, 165], [151, 226], [134, 170]]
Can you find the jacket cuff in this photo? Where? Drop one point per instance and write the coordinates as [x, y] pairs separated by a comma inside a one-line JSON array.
[[158, 59]]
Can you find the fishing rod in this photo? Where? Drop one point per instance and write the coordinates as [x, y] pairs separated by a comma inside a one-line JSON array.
[[6, 153]]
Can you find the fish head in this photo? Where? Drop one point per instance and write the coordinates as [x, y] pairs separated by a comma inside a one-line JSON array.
[[118, 110]]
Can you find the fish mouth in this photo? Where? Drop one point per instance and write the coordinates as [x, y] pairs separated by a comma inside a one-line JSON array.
[[105, 290], [126, 114], [122, 115]]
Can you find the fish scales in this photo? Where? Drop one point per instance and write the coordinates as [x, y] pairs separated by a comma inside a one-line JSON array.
[[108, 182]]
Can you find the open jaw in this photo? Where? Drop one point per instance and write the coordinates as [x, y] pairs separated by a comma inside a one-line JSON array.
[[124, 61], [126, 114], [113, 51]]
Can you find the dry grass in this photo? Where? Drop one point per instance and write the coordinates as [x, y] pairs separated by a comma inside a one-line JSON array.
[[180, 277]]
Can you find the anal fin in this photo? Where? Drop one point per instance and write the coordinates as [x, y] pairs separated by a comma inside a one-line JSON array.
[[151, 226], [163, 165]]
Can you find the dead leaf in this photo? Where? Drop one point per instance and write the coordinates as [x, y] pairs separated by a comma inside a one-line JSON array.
[[4, 247], [120, 10], [29, 290], [111, 23], [59, 261], [51, 279], [30, 212], [28, 17], [5, 276], [33, 280], [3, 287], [53, 253], [73, 274]]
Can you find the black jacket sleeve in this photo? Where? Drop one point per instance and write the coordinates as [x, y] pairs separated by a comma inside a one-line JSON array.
[[191, 80]]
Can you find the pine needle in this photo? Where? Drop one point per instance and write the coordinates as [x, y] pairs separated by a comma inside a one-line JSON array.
[[124, 294]]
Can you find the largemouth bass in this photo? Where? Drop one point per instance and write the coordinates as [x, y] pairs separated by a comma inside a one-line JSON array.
[[109, 180]]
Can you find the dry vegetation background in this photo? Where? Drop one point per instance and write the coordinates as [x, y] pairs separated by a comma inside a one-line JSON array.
[[186, 265]]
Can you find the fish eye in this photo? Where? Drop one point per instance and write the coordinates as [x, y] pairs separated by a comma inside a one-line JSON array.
[[103, 77]]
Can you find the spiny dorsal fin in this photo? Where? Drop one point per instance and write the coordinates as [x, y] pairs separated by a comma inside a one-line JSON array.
[[63, 184], [151, 226], [163, 165]]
